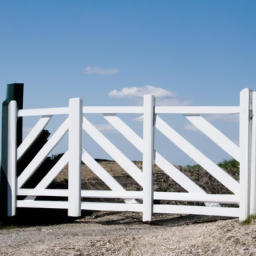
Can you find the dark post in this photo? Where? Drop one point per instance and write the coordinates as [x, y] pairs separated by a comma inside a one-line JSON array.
[[14, 92]]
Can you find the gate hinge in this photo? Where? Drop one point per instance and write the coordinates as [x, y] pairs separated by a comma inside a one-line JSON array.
[[250, 114]]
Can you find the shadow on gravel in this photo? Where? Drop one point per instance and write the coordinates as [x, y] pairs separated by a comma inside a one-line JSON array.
[[188, 220], [37, 217]]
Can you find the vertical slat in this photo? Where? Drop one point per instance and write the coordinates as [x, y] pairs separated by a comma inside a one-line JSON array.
[[253, 157], [75, 151], [244, 151], [12, 158], [148, 156]]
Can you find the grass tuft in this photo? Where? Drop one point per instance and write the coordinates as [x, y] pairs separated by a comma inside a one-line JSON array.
[[249, 220]]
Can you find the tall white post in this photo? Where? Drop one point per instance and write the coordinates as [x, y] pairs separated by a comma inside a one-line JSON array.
[[244, 141], [253, 156], [148, 156], [12, 158], [75, 152]]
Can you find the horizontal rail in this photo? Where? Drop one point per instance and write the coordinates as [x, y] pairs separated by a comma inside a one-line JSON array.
[[112, 207], [174, 209], [200, 210], [43, 112], [189, 197], [197, 110], [113, 110], [42, 204], [132, 110]]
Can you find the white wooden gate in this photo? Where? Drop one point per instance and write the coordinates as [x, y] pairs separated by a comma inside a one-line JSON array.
[[243, 191]]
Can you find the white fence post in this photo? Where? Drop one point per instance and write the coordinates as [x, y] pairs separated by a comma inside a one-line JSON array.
[[75, 151], [12, 158], [253, 156], [148, 156], [244, 141]]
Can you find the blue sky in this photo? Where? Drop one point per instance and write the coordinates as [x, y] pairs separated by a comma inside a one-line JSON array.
[[198, 52]]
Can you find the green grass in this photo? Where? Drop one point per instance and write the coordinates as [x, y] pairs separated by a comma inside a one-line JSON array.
[[231, 166], [249, 220], [7, 226]]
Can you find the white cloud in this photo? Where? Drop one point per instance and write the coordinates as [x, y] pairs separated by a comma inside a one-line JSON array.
[[141, 91], [230, 118], [105, 127], [163, 97], [191, 127], [139, 118], [100, 71]]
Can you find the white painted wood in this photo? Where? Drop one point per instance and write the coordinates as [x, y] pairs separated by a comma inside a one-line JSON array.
[[12, 158], [222, 176], [112, 194], [49, 177], [253, 157], [43, 112], [113, 110], [244, 141], [40, 125], [167, 167], [173, 196], [148, 156], [56, 169], [43, 192], [200, 210], [42, 204], [103, 175], [131, 110], [197, 197], [101, 172], [112, 207], [125, 130], [43, 153], [75, 152], [215, 135], [196, 110], [115, 153]]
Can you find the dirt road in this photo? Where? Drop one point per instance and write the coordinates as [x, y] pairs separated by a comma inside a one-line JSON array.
[[106, 233]]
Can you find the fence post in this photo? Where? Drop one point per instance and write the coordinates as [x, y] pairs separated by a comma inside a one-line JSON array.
[[14, 92], [244, 141], [12, 158], [75, 151], [148, 156], [253, 156]]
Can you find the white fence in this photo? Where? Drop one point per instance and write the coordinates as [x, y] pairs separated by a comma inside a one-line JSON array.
[[243, 192]]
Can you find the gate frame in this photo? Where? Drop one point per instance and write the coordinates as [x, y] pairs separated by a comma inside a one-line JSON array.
[[247, 138]]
